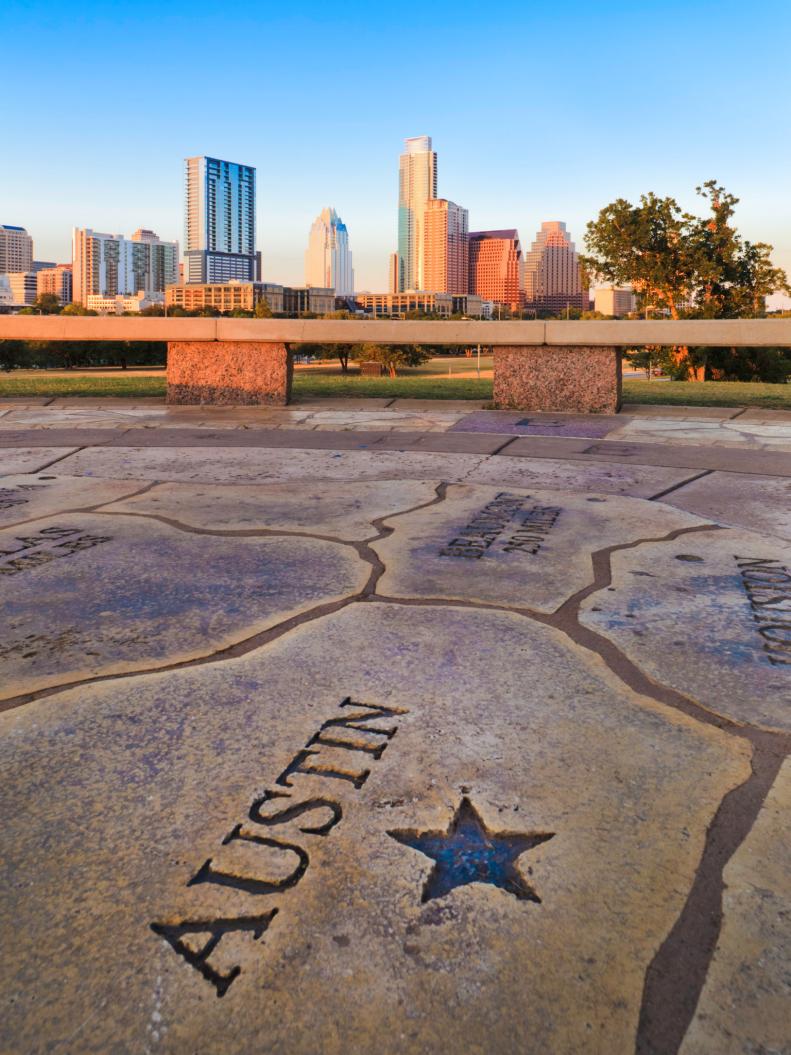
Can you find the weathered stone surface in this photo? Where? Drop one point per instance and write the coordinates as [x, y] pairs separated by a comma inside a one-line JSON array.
[[237, 372], [89, 594], [710, 615], [342, 510], [513, 547], [29, 459], [584, 378], [145, 778], [261, 464], [758, 503], [639, 481], [25, 496], [744, 1007], [738, 433]]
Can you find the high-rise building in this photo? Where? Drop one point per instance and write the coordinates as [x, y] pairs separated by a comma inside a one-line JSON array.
[[417, 184], [615, 300], [496, 267], [445, 247], [55, 280], [20, 287], [220, 222], [328, 259], [111, 265], [553, 279], [16, 249]]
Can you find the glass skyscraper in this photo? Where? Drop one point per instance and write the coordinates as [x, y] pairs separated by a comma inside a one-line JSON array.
[[220, 222], [417, 183], [328, 259]]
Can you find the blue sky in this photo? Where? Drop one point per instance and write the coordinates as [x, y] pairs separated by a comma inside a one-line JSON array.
[[537, 112]]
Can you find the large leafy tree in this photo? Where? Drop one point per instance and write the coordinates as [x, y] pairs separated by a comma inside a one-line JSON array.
[[683, 265]]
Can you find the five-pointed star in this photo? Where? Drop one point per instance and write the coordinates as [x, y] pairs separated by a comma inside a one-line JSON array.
[[469, 853]]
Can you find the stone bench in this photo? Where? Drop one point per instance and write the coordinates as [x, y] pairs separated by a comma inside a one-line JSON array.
[[585, 379]]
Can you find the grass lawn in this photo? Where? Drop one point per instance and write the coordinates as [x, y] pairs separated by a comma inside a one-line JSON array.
[[312, 384], [708, 394]]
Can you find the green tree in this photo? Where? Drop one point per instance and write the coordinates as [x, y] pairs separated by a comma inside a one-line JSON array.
[[683, 265], [262, 309], [391, 356]]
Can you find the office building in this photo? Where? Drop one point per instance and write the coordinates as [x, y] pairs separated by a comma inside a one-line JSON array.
[[397, 305], [111, 265], [227, 297], [615, 301], [220, 222], [496, 267], [328, 259], [55, 280], [16, 250], [553, 279], [417, 184], [20, 288], [123, 305], [42, 265], [445, 247]]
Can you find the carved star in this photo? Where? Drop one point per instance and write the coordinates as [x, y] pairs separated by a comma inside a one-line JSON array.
[[469, 853]]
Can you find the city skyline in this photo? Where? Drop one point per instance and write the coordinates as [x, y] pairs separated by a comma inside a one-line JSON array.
[[511, 163]]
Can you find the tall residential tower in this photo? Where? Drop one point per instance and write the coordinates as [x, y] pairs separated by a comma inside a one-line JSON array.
[[328, 259], [110, 265], [16, 249], [220, 222], [446, 251], [417, 184]]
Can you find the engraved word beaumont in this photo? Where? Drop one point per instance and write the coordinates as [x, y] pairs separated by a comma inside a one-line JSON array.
[[494, 519]]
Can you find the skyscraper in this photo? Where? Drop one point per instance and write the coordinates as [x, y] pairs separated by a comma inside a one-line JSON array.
[[417, 184], [445, 247], [553, 280], [496, 266], [16, 249], [328, 259], [220, 222], [111, 265]]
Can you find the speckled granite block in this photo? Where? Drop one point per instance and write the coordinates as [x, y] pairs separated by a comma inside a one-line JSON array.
[[585, 378], [228, 372]]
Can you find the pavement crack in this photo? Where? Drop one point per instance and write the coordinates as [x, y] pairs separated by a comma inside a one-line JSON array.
[[96, 508], [678, 486], [676, 975]]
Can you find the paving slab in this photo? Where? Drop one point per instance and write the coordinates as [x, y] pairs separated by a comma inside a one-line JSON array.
[[30, 459], [697, 456], [529, 549], [463, 406], [766, 416], [744, 1007], [709, 615], [759, 503], [737, 433], [639, 481], [524, 423], [129, 593], [488, 864], [341, 510], [29, 497], [656, 410], [260, 464]]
